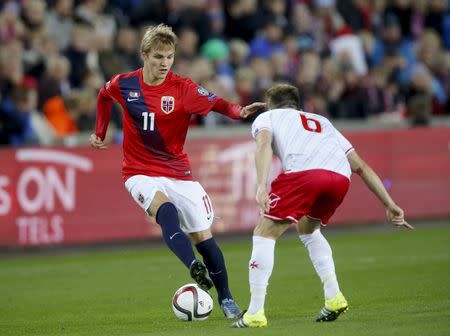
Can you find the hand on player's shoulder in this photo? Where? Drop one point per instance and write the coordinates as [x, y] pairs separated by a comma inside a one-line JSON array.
[[252, 108]]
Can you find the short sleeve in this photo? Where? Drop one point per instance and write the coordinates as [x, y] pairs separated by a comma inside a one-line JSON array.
[[343, 142], [262, 122]]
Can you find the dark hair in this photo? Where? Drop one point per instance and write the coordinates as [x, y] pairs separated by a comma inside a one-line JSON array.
[[282, 95]]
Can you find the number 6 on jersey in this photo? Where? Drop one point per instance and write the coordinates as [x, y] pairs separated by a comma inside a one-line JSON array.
[[147, 116]]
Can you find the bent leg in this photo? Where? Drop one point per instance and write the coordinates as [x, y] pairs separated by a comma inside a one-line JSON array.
[[262, 260], [320, 254], [166, 216], [215, 262], [260, 270]]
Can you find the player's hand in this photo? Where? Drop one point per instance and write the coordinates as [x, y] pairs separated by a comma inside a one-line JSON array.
[[96, 142], [396, 216], [250, 109], [262, 197]]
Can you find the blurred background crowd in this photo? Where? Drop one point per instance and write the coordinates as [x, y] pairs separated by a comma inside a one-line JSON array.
[[351, 59]]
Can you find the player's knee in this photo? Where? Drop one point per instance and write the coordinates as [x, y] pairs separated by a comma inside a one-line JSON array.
[[307, 225], [166, 212], [268, 229], [159, 199], [200, 236]]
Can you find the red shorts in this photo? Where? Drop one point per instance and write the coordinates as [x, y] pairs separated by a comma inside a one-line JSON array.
[[315, 193]]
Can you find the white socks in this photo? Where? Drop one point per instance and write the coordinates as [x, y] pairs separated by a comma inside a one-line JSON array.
[[322, 260], [261, 266], [260, 269]]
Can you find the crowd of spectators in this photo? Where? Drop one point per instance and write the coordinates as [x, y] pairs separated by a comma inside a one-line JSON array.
[[350, 59]]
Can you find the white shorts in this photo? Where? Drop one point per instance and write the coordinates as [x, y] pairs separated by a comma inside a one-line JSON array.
[[192, 202]]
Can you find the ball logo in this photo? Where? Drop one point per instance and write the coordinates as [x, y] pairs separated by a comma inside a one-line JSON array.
[[191, 303]]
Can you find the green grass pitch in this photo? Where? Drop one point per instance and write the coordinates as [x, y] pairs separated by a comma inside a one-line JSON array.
[[397, 283]]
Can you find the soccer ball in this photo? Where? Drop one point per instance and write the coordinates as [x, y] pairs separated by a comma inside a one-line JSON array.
[[191, 303]]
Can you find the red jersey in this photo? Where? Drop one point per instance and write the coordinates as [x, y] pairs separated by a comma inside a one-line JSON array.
[[155, 121]]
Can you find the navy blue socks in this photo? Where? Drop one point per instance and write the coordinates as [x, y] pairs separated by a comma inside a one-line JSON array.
[[215, 263], [179, 243], [176, 240]]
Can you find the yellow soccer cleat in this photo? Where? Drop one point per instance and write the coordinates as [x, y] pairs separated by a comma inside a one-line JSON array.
[[257, 320], [333, 308]]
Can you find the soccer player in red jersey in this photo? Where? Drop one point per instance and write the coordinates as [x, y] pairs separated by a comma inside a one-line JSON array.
[[317, 163], [157, 107]]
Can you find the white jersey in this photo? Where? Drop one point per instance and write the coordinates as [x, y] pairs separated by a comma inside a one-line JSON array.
[[305, 141]]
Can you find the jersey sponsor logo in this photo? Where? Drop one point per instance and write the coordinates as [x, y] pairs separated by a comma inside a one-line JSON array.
[[167, 104], [107, 85], [141, 198], [202, 91]]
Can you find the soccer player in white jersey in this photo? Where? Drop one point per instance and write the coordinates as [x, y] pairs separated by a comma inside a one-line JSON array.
[[317, 162]]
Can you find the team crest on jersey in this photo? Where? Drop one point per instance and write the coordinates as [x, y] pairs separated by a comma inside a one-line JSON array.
[[134, 94], [167, 104]]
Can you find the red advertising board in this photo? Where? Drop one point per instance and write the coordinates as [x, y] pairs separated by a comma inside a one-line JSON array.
[[76, 195]]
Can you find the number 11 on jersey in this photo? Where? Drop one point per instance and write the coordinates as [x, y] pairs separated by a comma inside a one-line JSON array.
[[147, 116]]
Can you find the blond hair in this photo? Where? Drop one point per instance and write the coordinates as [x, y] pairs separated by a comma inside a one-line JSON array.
[[158, 36]]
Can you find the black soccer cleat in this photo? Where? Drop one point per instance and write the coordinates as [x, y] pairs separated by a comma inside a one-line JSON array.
[[200, 274], [326, 315], [333, 308]]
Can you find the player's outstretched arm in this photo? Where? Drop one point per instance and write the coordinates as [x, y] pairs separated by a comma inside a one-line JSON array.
[[394, 212]]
